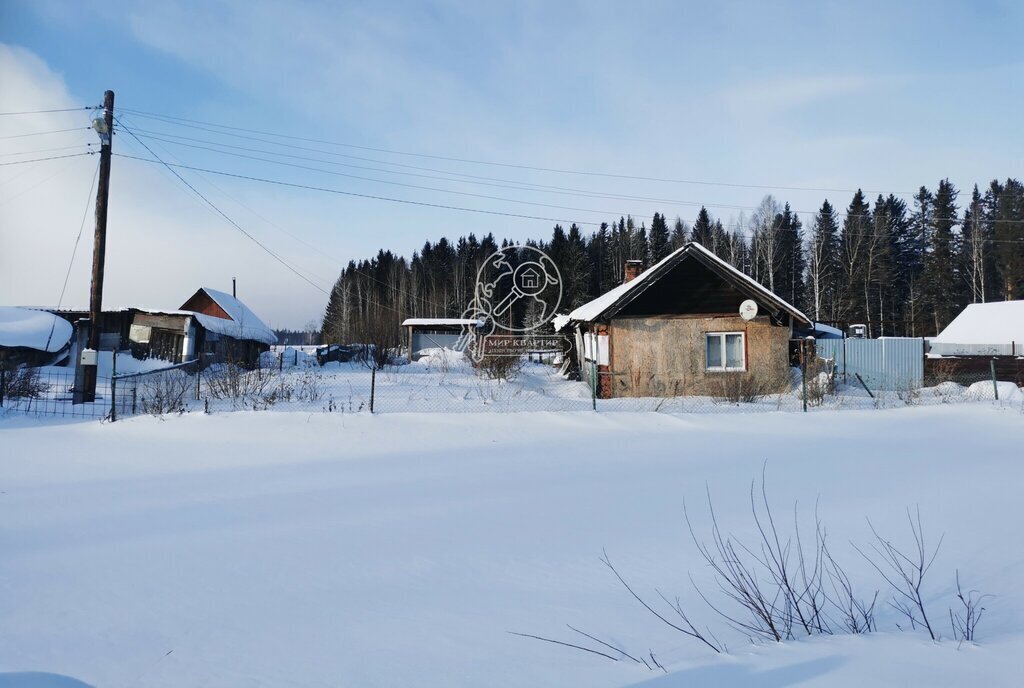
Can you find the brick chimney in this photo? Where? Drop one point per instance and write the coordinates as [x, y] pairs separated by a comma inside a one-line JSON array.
[[633, 268]]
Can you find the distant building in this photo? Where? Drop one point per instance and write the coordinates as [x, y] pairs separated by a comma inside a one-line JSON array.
[[210, 325], [435, 333], [983, 329]]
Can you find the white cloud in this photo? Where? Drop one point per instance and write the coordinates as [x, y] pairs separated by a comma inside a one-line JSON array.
[[780, 95], [162, 242]]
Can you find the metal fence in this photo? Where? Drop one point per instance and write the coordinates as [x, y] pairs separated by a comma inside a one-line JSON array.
[[50, 392], [951, 349], [887, 364], [855, 374]]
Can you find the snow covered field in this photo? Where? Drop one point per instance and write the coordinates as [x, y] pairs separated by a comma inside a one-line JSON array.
[[285, 549]]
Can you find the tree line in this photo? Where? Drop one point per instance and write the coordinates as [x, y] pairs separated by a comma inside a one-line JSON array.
[[902, 269]]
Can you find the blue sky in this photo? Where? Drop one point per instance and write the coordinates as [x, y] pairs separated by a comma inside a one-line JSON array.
[[883, 96]]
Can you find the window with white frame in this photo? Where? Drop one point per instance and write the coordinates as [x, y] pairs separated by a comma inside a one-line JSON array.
[[725, 351]]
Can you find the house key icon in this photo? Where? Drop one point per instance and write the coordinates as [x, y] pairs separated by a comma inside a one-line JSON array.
[[528, 279]]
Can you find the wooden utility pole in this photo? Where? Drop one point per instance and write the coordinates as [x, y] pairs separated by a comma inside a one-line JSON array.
[[99, 247]]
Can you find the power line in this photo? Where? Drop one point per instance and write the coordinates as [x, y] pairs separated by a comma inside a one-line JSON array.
[[220, 212], [361, 195], [62, 170], [52, 157], [180, 120], [543, 189], [46, 150], [370, 276], [471, 179], [419, 299], [40, 112], [74, 251], [414, 186], [462, 177], [453, 207], [246, 206], [520, 185], [44, 133]]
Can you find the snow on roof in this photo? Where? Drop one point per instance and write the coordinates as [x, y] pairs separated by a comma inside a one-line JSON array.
[[440, 321], [593, 310], [33, 329], [559, 321], [243, 324], [999, 322]]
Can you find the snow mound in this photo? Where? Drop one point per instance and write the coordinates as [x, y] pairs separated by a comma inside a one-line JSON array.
[[438, 357], [983, 391], [948, 391], [32, 329]]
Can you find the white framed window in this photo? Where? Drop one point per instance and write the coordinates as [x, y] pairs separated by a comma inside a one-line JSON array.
[[725, 351]]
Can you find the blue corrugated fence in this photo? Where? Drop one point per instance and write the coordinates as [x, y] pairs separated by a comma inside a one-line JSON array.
[[890, 363]]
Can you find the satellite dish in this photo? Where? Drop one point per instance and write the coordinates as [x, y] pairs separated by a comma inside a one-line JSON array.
[[748, 310]]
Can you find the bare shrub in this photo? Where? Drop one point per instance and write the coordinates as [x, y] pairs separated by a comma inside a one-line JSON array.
[[257, 388], [765, 375], [965, 621], [905, 572], [494, 367], [941, 370], [779, 587], [162, 393], [909, 394], [821, 381], [23, 383], [309, 386], [748, 387]]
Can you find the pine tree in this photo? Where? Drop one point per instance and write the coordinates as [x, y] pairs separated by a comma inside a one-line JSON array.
[[976, 255], [658, 239], [1009, 240], [678, 239], [701, 232], [638, 247], [893, 282], [789, 273], [575, 269], [601, 275], [878, 269], [857, 233], [824, 267], [940, 281]]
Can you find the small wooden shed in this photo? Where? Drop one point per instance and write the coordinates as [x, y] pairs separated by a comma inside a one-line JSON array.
[[675, 330], [435, 333]]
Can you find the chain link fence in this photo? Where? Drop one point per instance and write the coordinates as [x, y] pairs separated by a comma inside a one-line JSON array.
[[445, 382]]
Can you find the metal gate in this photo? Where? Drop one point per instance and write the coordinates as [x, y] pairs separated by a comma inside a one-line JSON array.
[[889, 363]]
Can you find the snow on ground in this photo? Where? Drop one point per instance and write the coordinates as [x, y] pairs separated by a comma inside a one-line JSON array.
[[286, 549]]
